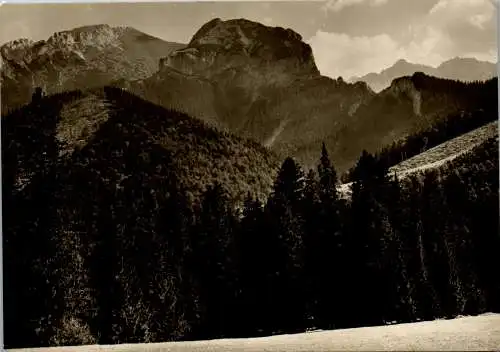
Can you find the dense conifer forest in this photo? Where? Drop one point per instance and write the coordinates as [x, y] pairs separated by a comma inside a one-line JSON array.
[[91, 257]]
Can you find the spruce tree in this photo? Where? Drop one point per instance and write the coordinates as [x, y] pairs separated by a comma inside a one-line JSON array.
[[400, 303], [311, 208], [213, 252], [369, 230], [328, 247], [327, 178], [255, 261], [436, 244], [284, 211], [422, 292]]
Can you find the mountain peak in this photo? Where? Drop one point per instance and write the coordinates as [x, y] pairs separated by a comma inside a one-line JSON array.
[[15, 49], [99, 35], [215, 31], [77, 58], [219, 45], [463, 59], [401, 62], [95, 28], [21, 42], [457, 68], [460, 61], [88, 28]]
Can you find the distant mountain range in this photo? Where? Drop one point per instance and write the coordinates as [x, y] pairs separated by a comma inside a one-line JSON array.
[[462, 69], [247, 79]]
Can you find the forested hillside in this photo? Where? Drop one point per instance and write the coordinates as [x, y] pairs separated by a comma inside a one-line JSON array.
[[122, 256], [448, 122], [89, 177], [110, 128]]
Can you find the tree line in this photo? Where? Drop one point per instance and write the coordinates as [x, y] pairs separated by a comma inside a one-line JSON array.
[[114, 250]]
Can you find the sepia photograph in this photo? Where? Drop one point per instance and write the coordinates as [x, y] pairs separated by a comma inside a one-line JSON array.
[[250, 176]]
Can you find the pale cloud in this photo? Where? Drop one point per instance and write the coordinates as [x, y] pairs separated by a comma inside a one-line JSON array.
[[461, 5], [451, 28], [429, 46], [479, 20], [468, 26], [339, 5], [339, 54], [476, 12], [463, 15], [267, 20]]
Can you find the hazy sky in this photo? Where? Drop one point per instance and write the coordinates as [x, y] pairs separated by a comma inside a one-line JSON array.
[[348, 37]]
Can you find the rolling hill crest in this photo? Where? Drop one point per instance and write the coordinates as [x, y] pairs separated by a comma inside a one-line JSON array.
[[111, 132]]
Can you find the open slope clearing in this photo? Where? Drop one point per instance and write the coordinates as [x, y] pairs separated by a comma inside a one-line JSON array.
[[479, 333], [439, 155], [446, 151]]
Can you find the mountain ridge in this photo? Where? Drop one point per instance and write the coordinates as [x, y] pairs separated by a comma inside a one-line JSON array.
[[262, 83], [464, 69], [83, 57]]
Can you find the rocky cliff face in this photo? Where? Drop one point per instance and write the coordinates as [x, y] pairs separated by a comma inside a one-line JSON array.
[[80, 58], [404, 86], [221, 45]]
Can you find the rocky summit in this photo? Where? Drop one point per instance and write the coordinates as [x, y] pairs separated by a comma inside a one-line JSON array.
[[221, 45]]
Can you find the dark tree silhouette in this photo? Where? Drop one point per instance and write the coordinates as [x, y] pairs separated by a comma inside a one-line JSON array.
[[287, 242], [37, 95]]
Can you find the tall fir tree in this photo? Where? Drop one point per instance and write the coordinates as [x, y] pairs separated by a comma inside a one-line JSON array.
[[214, 257], [286, 219], [311, 209], [435, 244], [369, 230], [328, 247], [256, 259]]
